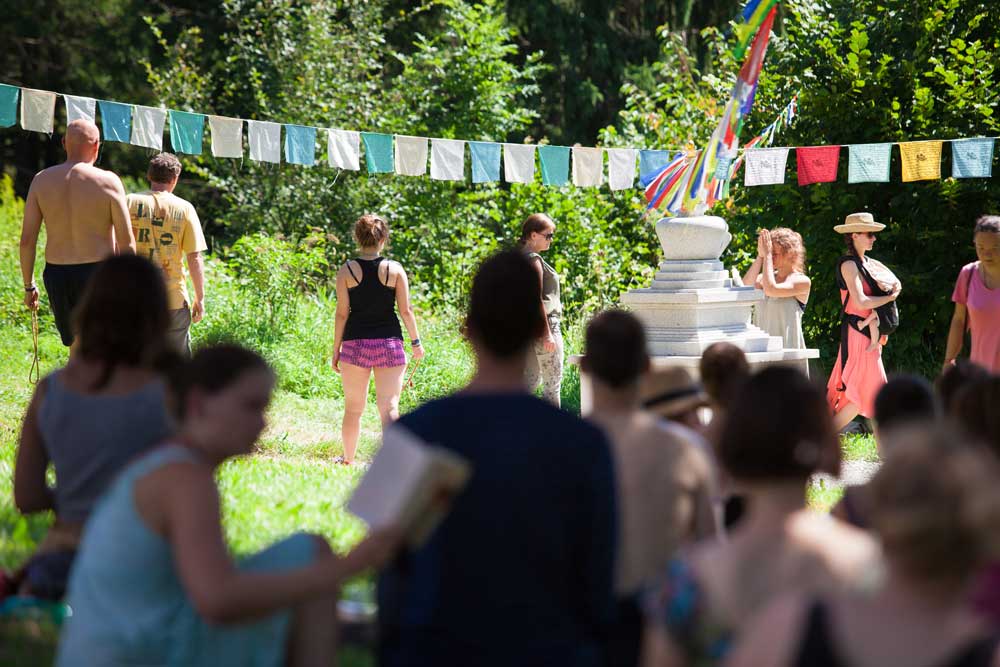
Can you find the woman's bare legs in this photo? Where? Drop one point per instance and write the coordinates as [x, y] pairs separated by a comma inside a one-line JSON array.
[[355, 379], [388, 387], [312, 637], [844, 416]]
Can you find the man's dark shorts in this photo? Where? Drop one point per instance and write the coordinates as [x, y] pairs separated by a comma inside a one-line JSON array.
[[64, 284]]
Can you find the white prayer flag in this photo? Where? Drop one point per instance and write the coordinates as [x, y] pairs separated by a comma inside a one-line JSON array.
[[621, 167], [343, 149], [588, 167], [80, 107], [265, 141], [147, 127], [448, 159], [38, 110], [765, 166], [519, 163], [227, 136], [411, 155]]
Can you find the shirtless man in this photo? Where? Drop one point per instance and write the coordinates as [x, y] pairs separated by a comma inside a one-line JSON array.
[[86, 220]]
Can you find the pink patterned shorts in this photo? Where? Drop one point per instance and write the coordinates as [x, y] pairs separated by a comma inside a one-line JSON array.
[[373, 352]]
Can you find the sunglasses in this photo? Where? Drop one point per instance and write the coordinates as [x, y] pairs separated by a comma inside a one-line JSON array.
[[870, 235], [548, 237]]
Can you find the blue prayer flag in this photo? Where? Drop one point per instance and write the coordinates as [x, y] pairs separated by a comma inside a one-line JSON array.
[[8, 104], [651, 163], [116, 120], [972, 158], [187, 130], [378, 152], [485, 161], [869, 163], [555, 164], [300, 145]]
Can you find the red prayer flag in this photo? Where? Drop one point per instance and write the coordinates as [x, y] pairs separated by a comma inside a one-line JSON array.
[[817, 164]]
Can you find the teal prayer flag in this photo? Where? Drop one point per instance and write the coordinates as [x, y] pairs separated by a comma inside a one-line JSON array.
[[187, 130], [555, 164], [869, 163], [485, 161], [378, 152], [116, 120], [8, 104], [652, 161], [972, 158], [300, 145]]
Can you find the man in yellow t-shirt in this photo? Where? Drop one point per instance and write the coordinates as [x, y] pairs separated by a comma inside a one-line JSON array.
[[167, 230]]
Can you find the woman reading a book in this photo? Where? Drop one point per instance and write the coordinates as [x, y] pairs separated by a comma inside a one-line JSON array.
[[367, 337], [154, 584], [858, 373]]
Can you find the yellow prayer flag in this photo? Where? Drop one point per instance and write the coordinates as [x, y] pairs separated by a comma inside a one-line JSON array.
[[921, 160]]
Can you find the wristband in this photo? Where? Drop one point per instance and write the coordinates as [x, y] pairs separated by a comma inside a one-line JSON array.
[[415, 342], [31, 288]]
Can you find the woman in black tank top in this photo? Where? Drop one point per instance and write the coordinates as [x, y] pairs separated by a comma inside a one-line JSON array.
[[367, 337], [935, 506]]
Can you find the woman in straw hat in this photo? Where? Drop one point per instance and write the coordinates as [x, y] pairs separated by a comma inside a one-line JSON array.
[[858, 373]]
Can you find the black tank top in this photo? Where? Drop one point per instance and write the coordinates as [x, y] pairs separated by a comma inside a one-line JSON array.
[[373, 305], [819, 650]]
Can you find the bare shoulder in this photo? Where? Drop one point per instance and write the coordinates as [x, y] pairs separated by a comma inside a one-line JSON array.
[[847, 551], [770, 636]]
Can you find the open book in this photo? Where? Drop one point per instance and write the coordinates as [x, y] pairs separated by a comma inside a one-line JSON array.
[[410, 483]]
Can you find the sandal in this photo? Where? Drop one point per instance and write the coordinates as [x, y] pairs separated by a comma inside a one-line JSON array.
[[342, 461]]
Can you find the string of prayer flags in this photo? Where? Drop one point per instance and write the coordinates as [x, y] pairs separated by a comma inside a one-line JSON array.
[[664, 189], [8, 104], [38, 110], [116, 120], [187, 132], [765, 166], [343, 149], [147, 127], [752, 16], [227, 136], [972, 158], [411, 155], [448, 160], [80, 107], [621, 168], [869, 163], [265, 141], [817, 164], [300, 145], [555, 165], [519, 163], [378, 152], [588, 167], [921, 160], [485, 161]]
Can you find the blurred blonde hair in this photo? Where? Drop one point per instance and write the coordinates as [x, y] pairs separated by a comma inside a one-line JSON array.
[[791, 244], [936, 507]]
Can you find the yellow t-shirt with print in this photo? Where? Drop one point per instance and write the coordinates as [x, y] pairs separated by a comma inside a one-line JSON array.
[[166, 229]]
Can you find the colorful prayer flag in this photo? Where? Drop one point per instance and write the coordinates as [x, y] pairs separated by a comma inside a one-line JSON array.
[[754, 13], [264, 139], [8, 104], [817, 164], [485, 161], [116, 120], [921, 160], [187, 132], [972, 158], [378, 152], [300, 145], [869, 163], [588, 167]]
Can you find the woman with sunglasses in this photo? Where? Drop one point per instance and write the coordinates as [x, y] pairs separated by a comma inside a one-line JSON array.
[[858, 373], [545, 359]]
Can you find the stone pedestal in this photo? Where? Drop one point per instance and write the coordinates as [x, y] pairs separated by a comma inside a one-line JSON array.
[[693, 302]]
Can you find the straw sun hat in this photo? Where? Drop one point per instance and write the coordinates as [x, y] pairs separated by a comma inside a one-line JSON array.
[[670, 392], [859, 222]]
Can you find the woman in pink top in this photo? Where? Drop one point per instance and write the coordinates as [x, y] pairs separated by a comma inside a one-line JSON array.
[[858, 373], [977, 300]]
